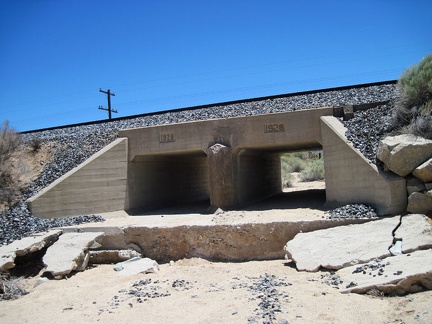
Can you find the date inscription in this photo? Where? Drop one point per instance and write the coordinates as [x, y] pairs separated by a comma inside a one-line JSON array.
[[166, 138], [274, 128]]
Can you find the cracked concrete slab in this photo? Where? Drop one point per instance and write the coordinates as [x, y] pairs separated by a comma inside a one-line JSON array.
[[415, 232], [342, 246], [401, 274], [26, 245], [69, 253]]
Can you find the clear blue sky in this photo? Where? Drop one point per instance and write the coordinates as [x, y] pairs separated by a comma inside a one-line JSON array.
[[166, 54]]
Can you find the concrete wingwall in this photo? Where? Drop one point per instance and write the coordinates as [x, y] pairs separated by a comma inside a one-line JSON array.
[[351, 178], [95, 186]]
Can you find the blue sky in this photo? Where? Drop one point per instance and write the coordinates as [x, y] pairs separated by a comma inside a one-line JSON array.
[[166, 54]]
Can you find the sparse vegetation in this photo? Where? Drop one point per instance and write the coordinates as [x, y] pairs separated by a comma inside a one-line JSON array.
[[35, 144], [308, 164], [313, 172], [413, 108], [12, 288], [9, 141], [292, 163]]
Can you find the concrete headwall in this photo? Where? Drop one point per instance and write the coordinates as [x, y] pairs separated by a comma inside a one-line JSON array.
[[351, 178], [230, 161], [95, 186]]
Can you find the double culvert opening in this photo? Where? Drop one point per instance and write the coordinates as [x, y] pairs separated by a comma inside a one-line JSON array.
[[182, 183]]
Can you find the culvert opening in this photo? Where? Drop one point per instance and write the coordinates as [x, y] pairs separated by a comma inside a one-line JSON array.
[[192, 183], [167, 182], [300, 168], [302, 181]]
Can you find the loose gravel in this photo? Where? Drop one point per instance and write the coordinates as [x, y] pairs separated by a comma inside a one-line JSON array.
[[352, 211], [368, 128], [76, 144], [268, 292]]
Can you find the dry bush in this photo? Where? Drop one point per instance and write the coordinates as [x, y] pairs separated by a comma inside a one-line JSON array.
[[12, 288], [412, 113], [9, 142]]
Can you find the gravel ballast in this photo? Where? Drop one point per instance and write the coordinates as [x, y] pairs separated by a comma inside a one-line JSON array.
[[76, 144]]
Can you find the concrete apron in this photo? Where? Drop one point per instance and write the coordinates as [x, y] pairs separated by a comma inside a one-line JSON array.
[[220, 237]]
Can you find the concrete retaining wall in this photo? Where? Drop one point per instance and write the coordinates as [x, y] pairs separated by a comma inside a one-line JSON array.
[[351, 178], [98, 185]]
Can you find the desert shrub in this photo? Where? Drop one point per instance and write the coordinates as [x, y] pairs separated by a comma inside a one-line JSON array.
[[301, 155], [12, 288], [292, 163], [413, 107], [287, 180], [314, 171], [35, 144], [9, 141]]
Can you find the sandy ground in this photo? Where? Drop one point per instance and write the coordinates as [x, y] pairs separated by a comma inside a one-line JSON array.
[[199, 291], [209, 293]]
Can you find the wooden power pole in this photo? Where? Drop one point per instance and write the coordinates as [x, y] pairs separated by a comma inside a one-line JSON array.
[[109, 94]]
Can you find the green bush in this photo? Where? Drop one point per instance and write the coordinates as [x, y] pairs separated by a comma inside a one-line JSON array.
[[413, 107], [313, 171], [292, 163]]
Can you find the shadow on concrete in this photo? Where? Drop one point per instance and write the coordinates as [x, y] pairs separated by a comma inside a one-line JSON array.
[[312, 198]]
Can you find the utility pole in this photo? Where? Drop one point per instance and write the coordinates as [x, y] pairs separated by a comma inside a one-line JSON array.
[[109, 94]]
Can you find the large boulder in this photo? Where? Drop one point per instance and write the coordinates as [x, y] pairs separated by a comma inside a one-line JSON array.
[[420, 203], [414, 185], [403, 153], [424, 171]]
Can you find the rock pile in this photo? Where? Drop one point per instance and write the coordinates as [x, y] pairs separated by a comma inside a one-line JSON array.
[[352, 211], [410, 156]]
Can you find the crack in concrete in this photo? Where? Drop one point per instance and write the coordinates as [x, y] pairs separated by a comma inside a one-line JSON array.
[[395, 248]]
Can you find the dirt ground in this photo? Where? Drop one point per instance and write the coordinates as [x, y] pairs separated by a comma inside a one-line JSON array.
[[200, 291]]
